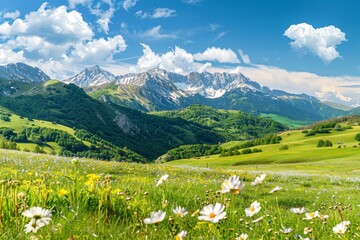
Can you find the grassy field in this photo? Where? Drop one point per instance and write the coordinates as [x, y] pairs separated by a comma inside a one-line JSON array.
[[91, 199], [302, 155], [290, 123]]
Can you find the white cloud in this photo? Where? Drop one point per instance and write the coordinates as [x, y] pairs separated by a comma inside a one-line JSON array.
[[192, 2], [330, 93], [177, 60], [163, 13], [57, 26], [98, 50], [245, 58], [149, 59], [321, 42], [104, 15], [217, 54], [9, 56], [73, 3], [11, 15], [300, 82], [127, 4], [155, 33], [57, 40], [158, 13]]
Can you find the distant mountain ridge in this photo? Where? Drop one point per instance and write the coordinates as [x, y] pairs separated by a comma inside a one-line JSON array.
[[23, 72], [92, 76], [157, 89]]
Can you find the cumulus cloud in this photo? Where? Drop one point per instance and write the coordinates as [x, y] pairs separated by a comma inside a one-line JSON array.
[[11, 15], [177, 60], [321, 42], [217, 54], [57, 40], [245, 58], [158, 13], [57, 26], [99, 50], [9, 56], [127, 4], [155, 33]]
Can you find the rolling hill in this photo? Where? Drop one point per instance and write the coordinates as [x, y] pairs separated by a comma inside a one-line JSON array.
[[231, 124], [302, 150]]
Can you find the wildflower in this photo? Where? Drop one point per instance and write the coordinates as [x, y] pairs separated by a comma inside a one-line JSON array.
[[21, 195], [233, 184], [180, 211], [155, 217], [341, 227], [323, 217], [253, 209], [195, 213], [311, 215], [33, 226], [275, 189], [258, 219], [298, 210], [307, 230], [243, 236], [180, 235], [162, 179], [286, 230], [63, 192], [41, 216], [212, 213], [258, 180]]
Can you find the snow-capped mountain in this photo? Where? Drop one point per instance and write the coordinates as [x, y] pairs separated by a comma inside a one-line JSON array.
[[23, 72], [91, 77], [158, 89]]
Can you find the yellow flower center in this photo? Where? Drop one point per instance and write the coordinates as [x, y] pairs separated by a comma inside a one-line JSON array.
[[340, 231], [252, 209], [177, 237], [312, 215], [212, 215], [180, 214]]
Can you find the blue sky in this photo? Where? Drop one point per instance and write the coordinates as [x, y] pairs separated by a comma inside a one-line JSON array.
[[294, 45]]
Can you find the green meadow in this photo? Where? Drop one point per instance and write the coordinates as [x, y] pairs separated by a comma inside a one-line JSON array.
[[92, 199], [302, 156]]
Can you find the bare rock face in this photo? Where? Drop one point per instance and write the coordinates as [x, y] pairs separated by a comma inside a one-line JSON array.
[[125, 124]]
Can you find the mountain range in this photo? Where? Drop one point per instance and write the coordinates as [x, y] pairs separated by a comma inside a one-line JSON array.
[[157, 90], [107, 106]]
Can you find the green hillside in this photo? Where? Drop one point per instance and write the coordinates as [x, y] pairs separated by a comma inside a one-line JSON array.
[[342, 157], [148, 135], [40, 136], [231, 124]]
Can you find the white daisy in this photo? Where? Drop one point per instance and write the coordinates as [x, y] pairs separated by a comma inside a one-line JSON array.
[[243, 236], [162, 179], [311, 215], [180, 235], [275, 189], [341, 227], [258, 180], [233, 184], [42, 216], [298, 210], [253, 209], [212, 213], [180, 211], [155, 217]]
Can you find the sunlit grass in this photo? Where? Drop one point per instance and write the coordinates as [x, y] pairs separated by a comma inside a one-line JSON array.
[[108, 200]]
